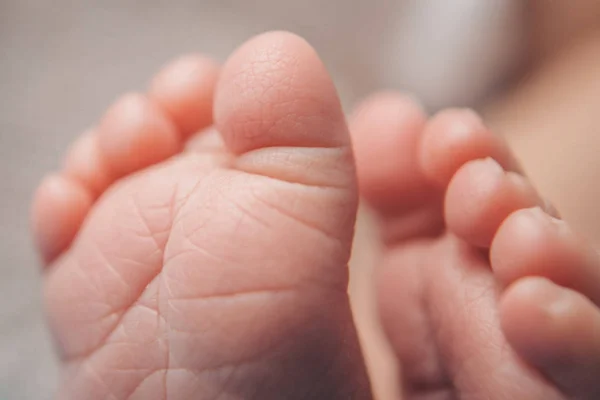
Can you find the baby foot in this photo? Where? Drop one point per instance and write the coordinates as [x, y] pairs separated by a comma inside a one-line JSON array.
[[219, 272], [483, 293]]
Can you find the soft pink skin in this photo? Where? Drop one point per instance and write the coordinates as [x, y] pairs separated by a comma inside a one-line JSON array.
[[221, 271], [218, 273], [521, 324]]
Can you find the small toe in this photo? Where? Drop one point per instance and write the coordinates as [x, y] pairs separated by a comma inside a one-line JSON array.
[[531, 243], [556, 330], [387, 129], [84, 163], [386, 132], [185, 89], [454, 137], [135, 133], [207, 140], [480, 196], [59, 208]]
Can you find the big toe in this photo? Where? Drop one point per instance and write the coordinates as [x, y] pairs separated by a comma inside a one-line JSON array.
[[285, 211], [275, 91], [278, 111]]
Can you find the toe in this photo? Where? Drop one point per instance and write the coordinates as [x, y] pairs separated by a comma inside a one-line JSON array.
[[85, 164], [480, 196], [184, 89], [556, 330], [387, 130], [531, 243], [207, 140], [275, 91], [277, 109], [140, 130], [454, 137], [278, 112], [59, 207], [135, 133]]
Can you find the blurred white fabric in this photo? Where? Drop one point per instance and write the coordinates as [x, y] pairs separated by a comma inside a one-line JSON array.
[[62, 62]]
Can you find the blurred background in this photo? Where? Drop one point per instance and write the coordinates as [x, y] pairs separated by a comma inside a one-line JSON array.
[[63, 61]]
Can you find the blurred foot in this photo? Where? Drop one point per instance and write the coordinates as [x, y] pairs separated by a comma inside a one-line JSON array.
[[483, 292]]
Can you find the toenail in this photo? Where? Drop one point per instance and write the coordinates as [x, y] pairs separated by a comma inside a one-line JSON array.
[[558, 304], [550, 209], [553, 300], [520, 180], [467, 122], [492, 166], [541, 214]]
